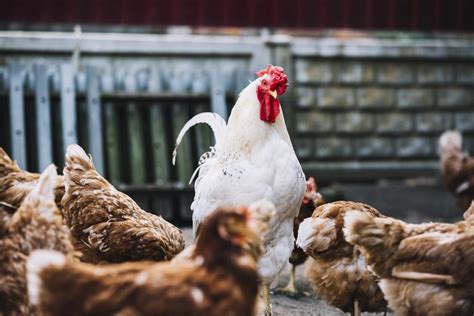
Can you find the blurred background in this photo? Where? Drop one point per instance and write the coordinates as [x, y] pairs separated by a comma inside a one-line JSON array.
[[373, 84]]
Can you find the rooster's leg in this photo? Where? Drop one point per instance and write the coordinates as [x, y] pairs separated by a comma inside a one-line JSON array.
[[266, 299], [290, 287], [356, 308]]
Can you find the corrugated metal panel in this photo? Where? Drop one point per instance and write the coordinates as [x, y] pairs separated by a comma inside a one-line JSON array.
[[423, 15]]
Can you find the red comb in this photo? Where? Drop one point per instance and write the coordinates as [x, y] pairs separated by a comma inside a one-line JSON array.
[[311, 183], [265, 71], [311, 188], [279, 79]]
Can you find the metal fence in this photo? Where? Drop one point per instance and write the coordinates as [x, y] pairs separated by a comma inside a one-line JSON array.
[[126, 110]]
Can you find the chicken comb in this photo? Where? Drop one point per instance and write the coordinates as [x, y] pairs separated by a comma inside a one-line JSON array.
[[270, 70], [311, 187], [312, 184], [279, 78]]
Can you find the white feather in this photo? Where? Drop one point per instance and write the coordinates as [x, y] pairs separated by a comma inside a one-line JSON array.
[[37, 262], [215, 121], [254, 160], [305, 234], [197, 295], [463, 187], [42, 195]]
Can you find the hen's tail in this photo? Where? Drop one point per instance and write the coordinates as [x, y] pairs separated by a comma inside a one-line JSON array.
[[362, 229], [42, 196], [375, 236], [215, 121], [7, 165], [316, 235], [76, 158], [38, 262], [80, 171]]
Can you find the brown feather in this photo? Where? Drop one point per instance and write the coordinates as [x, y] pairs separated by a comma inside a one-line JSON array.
[[15, 184], [6, 212], [426, 268], [106, 224], [336, 269], [219, 278], [28, 229]]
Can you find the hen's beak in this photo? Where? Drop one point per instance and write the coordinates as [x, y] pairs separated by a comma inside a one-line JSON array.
[[273, 93]]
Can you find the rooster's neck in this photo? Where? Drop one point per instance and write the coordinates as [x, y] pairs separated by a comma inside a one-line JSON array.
[[245, 130]]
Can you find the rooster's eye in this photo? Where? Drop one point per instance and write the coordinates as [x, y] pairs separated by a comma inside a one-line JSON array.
[[264, 82]]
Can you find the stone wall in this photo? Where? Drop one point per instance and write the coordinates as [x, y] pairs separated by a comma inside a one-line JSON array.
[[362, 117]]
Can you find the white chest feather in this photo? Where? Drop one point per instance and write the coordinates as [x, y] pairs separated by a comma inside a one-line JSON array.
[[269, 171], [255, 160]]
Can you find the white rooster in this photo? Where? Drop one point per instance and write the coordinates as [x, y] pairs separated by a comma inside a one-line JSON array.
[[253, 159]]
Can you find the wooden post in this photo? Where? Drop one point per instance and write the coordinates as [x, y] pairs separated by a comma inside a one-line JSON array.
[[159, 143], [179, 83], [94, 119], [283, 57], [135, 135], [204, 139], [114, 172], [218, 104], [262, 56], [68, 107], [43, 118], [183, 160], [17, 115], [160, 149], [161, 204]]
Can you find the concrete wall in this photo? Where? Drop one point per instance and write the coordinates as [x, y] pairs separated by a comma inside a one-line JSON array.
[[375, 116]]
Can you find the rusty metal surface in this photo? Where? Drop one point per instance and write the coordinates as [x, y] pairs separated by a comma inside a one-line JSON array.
[[426, 15]]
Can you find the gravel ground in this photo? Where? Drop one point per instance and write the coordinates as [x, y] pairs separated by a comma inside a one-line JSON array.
[[284, 305]]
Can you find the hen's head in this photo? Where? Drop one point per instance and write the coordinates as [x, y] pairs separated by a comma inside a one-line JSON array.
[[234, 229], [272, 83], [311, 194]]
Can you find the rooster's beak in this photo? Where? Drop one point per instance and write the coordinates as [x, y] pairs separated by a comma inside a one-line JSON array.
[[273, 93]]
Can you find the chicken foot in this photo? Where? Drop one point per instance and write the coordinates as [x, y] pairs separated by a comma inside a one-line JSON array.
[[356, 308], [266, 299], [290, 288]]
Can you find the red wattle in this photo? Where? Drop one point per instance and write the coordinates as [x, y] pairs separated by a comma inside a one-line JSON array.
[[269, 108]]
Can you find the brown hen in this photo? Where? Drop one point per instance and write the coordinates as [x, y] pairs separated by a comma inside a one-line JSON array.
[[337, 270], [457, 168], [36, 225], [426, 269], [15, 184], [106, 224], [219, 278]]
